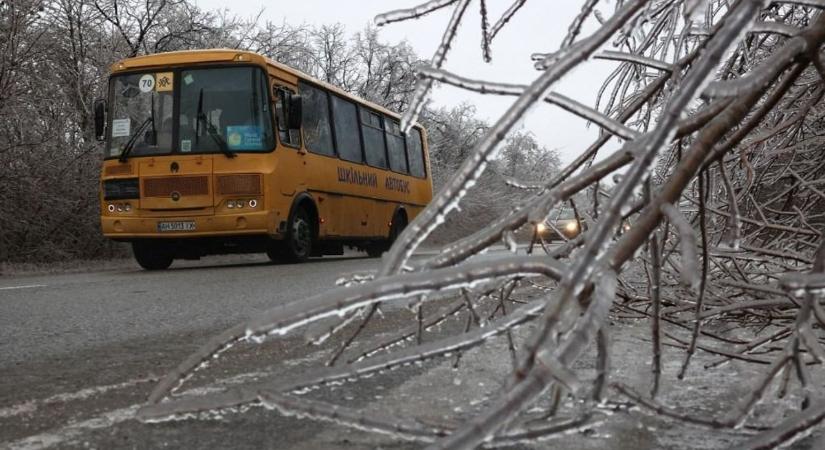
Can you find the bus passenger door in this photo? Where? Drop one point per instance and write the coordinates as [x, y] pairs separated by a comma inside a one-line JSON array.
[[291, 176]]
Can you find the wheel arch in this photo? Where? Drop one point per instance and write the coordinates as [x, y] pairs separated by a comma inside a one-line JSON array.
[[305, 200], [401, 211]]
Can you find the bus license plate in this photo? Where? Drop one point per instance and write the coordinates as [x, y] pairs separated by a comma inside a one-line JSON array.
[[176, 226]]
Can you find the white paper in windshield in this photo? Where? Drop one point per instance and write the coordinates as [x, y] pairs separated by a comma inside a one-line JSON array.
[[120, 127]]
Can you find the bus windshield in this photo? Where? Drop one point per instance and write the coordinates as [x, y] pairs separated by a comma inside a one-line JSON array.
[[220, 110]]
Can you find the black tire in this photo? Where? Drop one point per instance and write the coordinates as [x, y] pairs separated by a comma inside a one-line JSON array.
[[275, 251], [300, 236], [152, 255], [377, 248], [398, 225]]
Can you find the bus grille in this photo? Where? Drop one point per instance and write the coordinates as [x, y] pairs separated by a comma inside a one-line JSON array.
[[239, 185], [123, 169], [163, 187]]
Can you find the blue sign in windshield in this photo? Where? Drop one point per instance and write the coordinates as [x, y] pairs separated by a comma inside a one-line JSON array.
[[244, 137]]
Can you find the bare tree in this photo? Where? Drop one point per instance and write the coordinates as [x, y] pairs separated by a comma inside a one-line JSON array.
[[334, 59], [388, 70]]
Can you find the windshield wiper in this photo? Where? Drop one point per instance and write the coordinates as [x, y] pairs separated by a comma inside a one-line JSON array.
[[210, 129], [131, 142]]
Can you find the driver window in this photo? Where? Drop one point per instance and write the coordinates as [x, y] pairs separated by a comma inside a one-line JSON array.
[[283, 98]]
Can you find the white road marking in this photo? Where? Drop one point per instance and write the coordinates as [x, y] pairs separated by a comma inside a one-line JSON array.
[[16, 410], [29, 286], [63, 434], [72, 430], [32, 405]]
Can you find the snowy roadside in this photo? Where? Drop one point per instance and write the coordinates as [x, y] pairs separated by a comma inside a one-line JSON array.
[[444, 395]]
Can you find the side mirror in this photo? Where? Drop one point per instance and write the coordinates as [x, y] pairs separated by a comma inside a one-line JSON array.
[[100, 119], [296, 111]]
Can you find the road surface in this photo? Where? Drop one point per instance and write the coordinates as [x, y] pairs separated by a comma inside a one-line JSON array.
[[80, 353]]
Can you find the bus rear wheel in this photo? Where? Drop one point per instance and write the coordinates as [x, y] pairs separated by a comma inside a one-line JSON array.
[[300, 236], [398, 225], [377, 248], [152, 255]]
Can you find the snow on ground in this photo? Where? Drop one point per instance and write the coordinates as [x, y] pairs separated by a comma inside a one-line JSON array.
[[444, 395]]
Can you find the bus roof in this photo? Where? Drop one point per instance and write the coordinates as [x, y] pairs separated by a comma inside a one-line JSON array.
[[226, 55]]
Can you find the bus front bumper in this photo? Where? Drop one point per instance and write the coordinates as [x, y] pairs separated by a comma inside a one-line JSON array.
[[125, 227]]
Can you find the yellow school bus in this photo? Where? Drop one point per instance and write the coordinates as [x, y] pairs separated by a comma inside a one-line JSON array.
[[225, 151]]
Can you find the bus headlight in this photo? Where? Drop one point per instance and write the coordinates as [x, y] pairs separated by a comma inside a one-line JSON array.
[[541, 227], [127, 207], [242, 203], [572, 227], [111, 208]]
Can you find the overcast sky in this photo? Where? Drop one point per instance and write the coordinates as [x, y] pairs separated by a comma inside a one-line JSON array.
[[539, 26]]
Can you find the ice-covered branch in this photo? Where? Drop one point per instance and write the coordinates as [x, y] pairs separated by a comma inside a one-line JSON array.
[[635, 59], [411, 13], [465, 177], [719, 107], [282, 319], [566, 103]]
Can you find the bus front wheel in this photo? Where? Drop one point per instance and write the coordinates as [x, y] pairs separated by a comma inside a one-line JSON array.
[[152, 255], [300, 236]]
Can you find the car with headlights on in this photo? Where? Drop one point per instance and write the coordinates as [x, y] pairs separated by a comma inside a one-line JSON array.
[[561, 226]]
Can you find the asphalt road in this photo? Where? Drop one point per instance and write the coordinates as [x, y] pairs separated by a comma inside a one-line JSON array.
[[80, 352], [44, 316]]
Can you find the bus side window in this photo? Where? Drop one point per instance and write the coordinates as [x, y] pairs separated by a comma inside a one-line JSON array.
[[415, 153], [283, 98], [316, 123], [395, 144], [345, 121], [373, 132]]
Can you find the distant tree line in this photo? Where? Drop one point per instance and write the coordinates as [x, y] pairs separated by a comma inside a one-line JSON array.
[[54, 60]]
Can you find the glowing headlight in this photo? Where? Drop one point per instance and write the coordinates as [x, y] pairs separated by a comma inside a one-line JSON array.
[[626, 227], [571, 226], [541, 227]]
